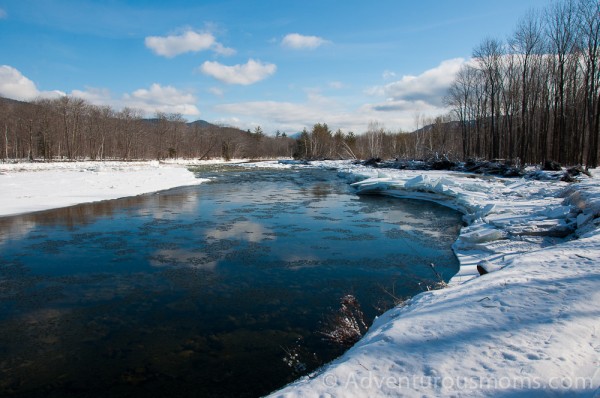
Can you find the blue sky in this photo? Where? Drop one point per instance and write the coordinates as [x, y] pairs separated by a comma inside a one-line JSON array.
[[278, 64]]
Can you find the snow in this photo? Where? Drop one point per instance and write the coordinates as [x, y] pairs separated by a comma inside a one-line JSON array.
[[530, 327], [28, 187]]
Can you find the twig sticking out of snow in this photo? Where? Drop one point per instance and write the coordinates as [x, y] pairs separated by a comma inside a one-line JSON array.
[[347, 326]]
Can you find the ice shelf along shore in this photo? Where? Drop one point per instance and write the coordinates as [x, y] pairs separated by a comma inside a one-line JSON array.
[[529, 327], [28, 187]]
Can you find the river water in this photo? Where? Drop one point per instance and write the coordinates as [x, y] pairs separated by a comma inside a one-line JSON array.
[[222, 289]]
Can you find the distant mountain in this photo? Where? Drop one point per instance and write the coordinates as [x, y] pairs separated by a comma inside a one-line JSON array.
[[295, 135], [201, 123], [449, 126], [9, 101]]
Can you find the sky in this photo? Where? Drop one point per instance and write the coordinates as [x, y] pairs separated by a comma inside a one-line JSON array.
[[280, 64]]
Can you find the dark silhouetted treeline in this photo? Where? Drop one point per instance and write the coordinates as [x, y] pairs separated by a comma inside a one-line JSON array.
[[535, 96]]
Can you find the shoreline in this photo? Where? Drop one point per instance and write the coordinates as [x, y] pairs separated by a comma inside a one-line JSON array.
[[533, 318], [480, 213], [37, 186], [504, 332]]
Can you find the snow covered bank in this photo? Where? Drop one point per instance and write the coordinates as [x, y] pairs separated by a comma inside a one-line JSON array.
[[529, 328], [504, 217], [27, 187]]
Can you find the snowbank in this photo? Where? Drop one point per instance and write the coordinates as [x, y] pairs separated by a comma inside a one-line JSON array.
[[529, 327], [27, 187]]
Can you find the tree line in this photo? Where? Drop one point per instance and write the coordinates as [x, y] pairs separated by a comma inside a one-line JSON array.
[[535, 96], [437, 138], [70, 128]]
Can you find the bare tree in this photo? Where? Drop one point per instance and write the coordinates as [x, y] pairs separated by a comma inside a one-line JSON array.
[[589, 33], [527, 45], [539, 98], [374, 137], [560, 31], [489, 56]]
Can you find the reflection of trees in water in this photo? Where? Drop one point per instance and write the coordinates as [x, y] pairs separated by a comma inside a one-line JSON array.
[[87, 213], [321, 190], [318, 190]]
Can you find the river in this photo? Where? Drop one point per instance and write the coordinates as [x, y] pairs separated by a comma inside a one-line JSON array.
[[223, 289]]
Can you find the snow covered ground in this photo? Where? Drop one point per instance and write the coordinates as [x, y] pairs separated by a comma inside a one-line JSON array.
[[530, 327], [27, 187]]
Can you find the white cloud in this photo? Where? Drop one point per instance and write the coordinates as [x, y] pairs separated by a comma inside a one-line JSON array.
[[16, 86], [189, 41], [166, 99], [216, 91], [3, 14], [221, 50], [336, 85], [297, 41], [294, 116], [388, 74], [429, 87], [402, 101], [245, 74], [399, 103], [287, 116], [95, 96], [159, 98]]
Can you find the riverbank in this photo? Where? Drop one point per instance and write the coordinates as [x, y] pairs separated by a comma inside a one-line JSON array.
[[530, 327], [35, 186]]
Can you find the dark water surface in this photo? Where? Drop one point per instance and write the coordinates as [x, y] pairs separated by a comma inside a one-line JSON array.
[[203, 291]]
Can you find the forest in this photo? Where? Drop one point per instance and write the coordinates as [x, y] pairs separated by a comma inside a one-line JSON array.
[[535, 96], [531, 98], [69, 128]]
